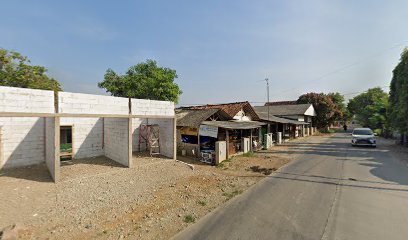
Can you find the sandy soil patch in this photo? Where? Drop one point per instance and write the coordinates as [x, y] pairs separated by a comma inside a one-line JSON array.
[[154, 200]]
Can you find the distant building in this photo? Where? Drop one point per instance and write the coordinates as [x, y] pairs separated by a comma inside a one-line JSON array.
[[199, 127], [300, 116]]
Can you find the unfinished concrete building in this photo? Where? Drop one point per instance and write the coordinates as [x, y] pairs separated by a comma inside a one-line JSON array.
[[35, 129]]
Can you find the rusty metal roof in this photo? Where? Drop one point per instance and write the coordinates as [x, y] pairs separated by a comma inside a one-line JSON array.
[[235, 124], [193, 117], [281, 110]]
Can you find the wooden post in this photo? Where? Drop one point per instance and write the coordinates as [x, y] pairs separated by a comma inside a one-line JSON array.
[[130, 143], [174, 138], [57, 158], [227, 139], [283, 132], [198, 141], [250, 144], [1, 148]]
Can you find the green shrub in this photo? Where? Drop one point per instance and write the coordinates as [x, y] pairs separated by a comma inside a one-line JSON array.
[[202, 202], [248, 154], [189, 218]]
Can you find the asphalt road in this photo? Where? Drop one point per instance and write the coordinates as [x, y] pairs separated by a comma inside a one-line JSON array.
[[330, 191]]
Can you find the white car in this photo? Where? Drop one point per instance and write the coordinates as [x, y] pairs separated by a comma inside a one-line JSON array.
[[363, 137]]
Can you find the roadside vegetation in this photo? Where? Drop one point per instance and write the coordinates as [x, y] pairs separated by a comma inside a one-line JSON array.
[[189, 218], [398, 99]]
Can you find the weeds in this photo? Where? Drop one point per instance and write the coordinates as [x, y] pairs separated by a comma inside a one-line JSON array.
[[189, 218], [248, 154], [232, 194], [222, 164], [202, 202]]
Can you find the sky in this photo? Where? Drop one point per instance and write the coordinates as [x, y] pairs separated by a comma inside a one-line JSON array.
[[222, 50]]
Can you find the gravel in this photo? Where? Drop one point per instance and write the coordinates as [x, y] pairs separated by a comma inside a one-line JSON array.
[[106, 201]]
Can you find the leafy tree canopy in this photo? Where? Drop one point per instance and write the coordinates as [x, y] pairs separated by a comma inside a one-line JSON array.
[[326, 106], [145, 80], [398, 99], [370, 108], [16, 71]]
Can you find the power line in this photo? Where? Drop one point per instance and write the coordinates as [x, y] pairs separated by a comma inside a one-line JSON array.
[[257, 102], [344, 67]]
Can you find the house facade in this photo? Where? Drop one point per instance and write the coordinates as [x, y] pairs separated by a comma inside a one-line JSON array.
[[200, 127]]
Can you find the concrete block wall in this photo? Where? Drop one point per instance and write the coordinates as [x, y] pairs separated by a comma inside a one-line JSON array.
[[23, 138], [26, 100], [91, 104], [51, 151], [88, 132], [152, 107], [166, 136], [23, 141], [87, 136], [136, 122], [117, 140]]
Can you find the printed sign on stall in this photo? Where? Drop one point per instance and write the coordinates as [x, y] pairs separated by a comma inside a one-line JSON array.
[[209, 131]]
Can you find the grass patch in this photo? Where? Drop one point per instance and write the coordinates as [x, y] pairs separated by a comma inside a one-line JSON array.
[[189, 218], [222, 164], [202, 202], [232, 194], [248, 154], [328, 131]]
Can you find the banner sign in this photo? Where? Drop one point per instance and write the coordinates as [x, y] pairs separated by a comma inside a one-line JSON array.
[[189, 131], [209, 131]]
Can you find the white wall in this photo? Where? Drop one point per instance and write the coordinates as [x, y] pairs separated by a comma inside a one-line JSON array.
[[152, 107], [87, 136], [136, 122], [91, 104], [117, 140], [88, 132], [51, 152], [23, 139], [166, 136], [26, 100]]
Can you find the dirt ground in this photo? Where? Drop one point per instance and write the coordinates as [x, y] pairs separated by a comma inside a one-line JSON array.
[[99, 199]]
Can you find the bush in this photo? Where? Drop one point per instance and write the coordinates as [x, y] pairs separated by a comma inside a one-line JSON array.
[[248, 154], [189, 218], [202, 202], [378, 131]]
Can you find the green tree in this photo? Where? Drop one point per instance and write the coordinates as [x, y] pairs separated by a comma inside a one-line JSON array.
[[16, 71], [341, 112], [145, 80], [370, 107], [327, 111], [398, 99]]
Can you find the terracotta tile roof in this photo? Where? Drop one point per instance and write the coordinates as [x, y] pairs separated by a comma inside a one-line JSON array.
[[231, 109]]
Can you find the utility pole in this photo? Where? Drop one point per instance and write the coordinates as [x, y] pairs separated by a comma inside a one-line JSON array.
[[267, 96]]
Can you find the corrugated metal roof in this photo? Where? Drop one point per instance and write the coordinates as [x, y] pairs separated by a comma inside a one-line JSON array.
[[272, 118], [235, 125], [281, 110], [193, 117]]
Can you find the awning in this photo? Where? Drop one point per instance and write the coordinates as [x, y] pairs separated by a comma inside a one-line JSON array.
[[272, 118], [234, 125]]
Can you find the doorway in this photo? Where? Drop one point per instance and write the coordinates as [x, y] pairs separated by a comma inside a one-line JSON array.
[[66, 143]]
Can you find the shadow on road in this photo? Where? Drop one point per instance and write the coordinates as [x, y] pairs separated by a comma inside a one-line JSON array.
[[379, 160]]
